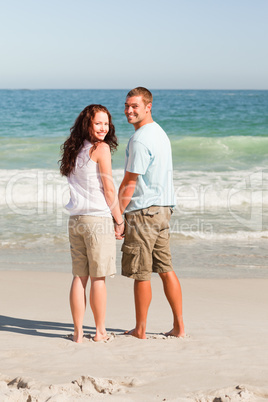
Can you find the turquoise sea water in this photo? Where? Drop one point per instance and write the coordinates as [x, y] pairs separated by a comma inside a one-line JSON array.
[[219, 130], [220, 152]]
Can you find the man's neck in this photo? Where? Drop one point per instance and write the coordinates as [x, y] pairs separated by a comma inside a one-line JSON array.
[[143, 123]]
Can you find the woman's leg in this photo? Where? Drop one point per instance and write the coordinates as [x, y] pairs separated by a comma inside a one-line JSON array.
[[78, 305], [98, 297]]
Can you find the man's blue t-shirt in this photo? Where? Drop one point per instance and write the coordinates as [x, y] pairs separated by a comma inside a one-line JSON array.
[[149, 154]]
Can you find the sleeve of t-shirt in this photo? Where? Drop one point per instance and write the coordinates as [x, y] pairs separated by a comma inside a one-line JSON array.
[[139, 158]]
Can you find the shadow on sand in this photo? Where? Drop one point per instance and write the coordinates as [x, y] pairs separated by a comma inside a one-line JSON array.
[[40, 328]]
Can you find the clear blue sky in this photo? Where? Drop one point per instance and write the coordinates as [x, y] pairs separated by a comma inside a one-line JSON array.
[[179, 44]]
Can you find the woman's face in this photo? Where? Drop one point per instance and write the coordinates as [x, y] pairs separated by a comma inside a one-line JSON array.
[[100, 126]]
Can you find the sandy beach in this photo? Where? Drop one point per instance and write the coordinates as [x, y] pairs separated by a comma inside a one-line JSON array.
[[223, 358]]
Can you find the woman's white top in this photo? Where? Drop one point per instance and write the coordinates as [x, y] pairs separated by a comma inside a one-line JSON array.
[[86, 188]]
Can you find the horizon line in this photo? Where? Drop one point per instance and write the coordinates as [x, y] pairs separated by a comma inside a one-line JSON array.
[[126, 89]]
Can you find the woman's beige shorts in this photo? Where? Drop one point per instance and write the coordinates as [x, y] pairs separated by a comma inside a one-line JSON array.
[[92, 242]]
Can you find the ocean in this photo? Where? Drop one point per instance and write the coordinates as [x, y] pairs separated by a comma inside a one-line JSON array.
[[220, 152]]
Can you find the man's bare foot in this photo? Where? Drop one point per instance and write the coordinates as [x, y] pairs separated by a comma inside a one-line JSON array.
[[134, 332], [178, 333], [100, 336]]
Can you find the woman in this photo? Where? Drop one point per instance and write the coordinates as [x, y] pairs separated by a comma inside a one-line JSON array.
[[86, 161]]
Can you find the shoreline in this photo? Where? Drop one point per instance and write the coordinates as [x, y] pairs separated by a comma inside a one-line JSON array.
[[191, 258], [224, 348]]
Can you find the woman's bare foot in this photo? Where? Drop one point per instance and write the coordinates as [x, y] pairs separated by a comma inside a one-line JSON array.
[[100, 336], [137, 334], [78, 337], [178, 333]]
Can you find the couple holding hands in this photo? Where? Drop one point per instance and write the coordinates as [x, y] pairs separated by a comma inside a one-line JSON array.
[[146, 198]]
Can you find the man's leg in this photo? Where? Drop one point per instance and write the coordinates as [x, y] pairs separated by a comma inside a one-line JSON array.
[[173, 294], [140, 237], [143, 297]]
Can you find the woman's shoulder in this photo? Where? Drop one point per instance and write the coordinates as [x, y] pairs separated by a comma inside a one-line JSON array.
[[103, 147], [101, 152]]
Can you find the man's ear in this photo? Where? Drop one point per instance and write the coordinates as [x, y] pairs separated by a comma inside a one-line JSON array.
[[149, 107]]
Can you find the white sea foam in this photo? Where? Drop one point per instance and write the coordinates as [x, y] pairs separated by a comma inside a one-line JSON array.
[[195, 191], [210, 205], [239, 236], [202, 191], [37, 241], [28, 187]]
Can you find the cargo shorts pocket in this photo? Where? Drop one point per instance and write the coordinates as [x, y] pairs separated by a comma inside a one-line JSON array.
[[130, 258], [151, 211]]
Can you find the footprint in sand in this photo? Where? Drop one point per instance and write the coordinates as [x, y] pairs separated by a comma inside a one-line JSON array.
[[86, 386], [239, 393], [92, 385]]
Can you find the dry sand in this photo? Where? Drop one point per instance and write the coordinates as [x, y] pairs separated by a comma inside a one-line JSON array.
[[223, 358]]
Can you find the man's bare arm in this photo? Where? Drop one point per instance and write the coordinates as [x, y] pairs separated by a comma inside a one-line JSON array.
[[126, 189]]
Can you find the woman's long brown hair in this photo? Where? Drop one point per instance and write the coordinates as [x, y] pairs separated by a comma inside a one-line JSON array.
[[81, 131]]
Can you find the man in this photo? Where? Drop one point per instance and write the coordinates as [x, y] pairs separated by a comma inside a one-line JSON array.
[[146, 196]]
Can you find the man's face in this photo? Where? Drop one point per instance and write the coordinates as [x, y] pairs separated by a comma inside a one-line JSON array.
[[136, 112]]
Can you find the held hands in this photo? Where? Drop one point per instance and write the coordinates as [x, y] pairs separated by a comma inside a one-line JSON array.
[[119, 229]]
